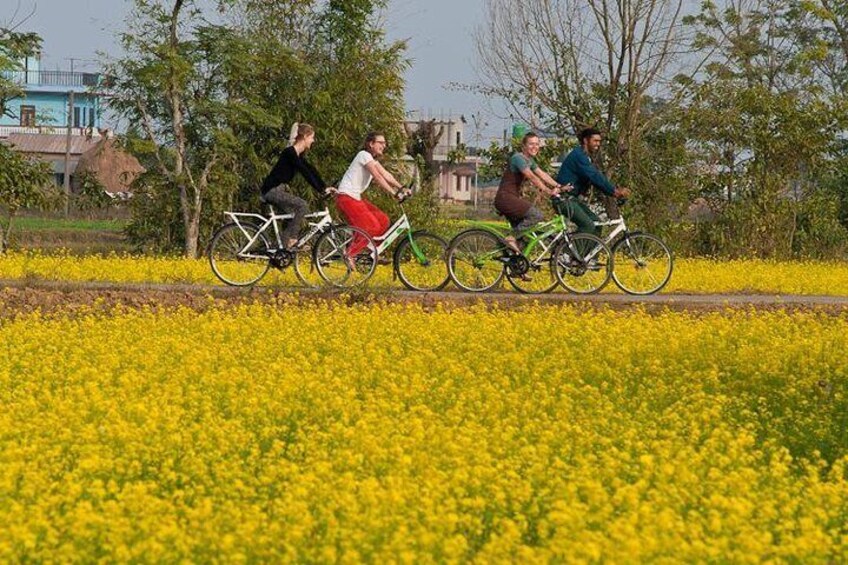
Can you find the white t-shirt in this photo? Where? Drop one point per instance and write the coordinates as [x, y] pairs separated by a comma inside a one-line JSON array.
[[357, 177]]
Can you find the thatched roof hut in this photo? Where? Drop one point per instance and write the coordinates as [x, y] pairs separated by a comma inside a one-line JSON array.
[[114, 168]]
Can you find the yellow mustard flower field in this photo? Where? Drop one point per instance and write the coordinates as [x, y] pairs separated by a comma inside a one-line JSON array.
[[394, 433], [690, 275]]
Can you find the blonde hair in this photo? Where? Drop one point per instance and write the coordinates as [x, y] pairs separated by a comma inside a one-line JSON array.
[[299, 131]]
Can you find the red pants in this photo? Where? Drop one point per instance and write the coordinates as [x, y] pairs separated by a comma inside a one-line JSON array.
[[362, 214]]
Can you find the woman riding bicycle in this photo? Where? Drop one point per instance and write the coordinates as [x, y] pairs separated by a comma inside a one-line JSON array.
[[275, 189], [521, 213], [358, 211]]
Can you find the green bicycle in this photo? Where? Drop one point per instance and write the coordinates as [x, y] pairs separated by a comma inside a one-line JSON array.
[[479, 258], [418, 260]]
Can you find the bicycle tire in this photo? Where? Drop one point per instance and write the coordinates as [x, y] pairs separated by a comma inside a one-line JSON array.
[[429, 275], [330, 251], [228, 259], [473, 259], [640, 257], [583, 263]]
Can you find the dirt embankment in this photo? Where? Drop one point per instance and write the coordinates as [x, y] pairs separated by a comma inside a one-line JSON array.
[[64, 298]]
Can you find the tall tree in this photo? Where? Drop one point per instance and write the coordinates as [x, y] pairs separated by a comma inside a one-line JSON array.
[[820, 28], [568, 64], [171, 88]]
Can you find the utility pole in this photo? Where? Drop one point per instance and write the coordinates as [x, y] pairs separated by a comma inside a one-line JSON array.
[[67, 180]]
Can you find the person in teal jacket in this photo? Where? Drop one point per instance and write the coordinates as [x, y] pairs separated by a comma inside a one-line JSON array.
[[577, 169]]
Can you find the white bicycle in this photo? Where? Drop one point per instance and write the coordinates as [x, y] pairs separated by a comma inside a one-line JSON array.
[[244, 249]]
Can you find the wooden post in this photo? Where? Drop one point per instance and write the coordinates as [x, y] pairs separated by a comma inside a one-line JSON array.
[[67, 181]]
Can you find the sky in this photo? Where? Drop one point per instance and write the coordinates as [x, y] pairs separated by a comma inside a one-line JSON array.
[[439, 35]]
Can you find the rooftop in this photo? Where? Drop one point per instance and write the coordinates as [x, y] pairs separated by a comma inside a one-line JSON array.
[[50, 144]]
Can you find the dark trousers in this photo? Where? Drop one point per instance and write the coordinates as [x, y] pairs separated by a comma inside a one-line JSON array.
[[284, 201], [579, 213]]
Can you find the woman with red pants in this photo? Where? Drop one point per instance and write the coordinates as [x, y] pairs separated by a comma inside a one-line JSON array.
[[358, 211]]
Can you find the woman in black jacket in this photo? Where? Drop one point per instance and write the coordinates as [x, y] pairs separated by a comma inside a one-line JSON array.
[[275, 190]]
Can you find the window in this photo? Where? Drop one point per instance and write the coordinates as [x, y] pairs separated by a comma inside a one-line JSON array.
[[458, 183], [87, 118], [77, 116], [458, 137], [28, 116]]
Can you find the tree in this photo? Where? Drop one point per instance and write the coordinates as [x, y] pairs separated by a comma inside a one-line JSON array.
[[15, 46], [24, 183], [762, 129], [423, 140], [568, 64], [821, 28], [171, 88]]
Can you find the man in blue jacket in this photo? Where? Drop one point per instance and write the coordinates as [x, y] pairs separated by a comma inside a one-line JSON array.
[[577, 169]]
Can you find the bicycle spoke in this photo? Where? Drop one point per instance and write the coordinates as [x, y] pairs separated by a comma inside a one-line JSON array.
[[472, 260], [583, 264], [234, 259], [643, 264], [424, 266], [303, 265], [539, 277], [333, 250]]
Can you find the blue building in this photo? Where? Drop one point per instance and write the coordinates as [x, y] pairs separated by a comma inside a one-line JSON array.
[[46, 102], [39, 124]]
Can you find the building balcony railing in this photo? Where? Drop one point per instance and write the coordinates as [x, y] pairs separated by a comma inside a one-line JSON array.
[[53, 78]]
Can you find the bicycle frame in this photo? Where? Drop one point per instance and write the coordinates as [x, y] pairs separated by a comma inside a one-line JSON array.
[[618, 227], [397, 229], [321, 219], [537, 234]]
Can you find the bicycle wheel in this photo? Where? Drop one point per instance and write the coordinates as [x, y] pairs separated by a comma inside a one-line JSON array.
[[583, 264], [422, 266], [475, 260], [534, 274], [642, 263], [304, 266], [332, 250], [233, 261]]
